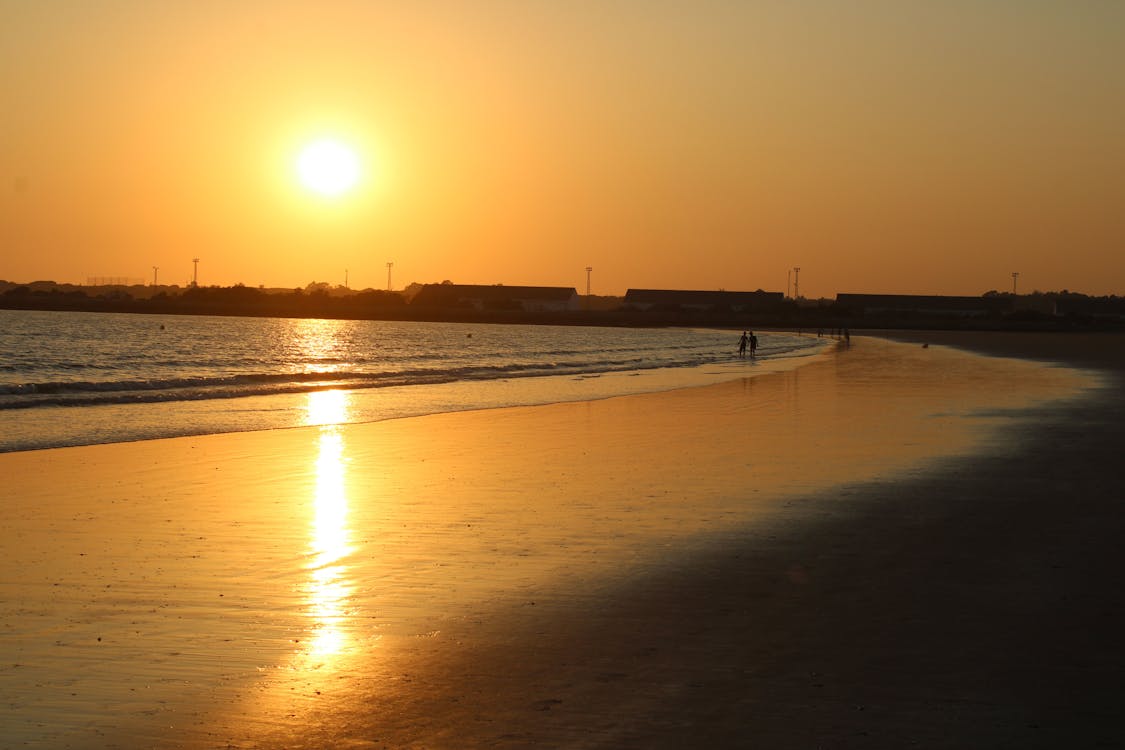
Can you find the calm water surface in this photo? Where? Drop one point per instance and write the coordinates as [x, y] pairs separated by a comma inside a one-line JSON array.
[[84, 378]]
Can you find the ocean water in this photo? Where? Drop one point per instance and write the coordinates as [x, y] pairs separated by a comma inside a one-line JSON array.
[[83, 378]]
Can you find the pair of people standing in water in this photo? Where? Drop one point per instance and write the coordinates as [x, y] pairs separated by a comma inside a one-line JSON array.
[[748, 338]]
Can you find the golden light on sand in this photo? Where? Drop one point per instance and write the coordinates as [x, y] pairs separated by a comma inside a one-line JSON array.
[[328, 167], [328, 589], [329, 613], [330, 532]]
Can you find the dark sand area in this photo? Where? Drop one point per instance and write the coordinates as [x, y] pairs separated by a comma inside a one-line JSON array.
[[992, 615], [977, 605]]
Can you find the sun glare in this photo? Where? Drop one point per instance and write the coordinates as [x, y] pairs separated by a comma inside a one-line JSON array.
[[328, 167]]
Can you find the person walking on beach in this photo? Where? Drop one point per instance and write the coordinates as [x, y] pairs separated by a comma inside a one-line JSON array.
[[753, 343], [742, 345]]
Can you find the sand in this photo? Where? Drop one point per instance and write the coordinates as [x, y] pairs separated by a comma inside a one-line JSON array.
[[891, 547]]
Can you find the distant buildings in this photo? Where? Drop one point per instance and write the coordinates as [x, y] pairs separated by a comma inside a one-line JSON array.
[[498, 297], [1042, 306], [890, 304], [1101, 309], [548, 304], [671, 300]]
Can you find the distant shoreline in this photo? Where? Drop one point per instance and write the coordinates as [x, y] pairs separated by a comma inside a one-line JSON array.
[[800, 319]]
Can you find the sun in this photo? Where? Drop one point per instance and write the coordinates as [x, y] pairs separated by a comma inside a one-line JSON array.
[[328, 167]]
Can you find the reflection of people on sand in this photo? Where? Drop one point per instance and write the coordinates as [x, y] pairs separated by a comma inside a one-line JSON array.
[[847, 338], [742, 345], [753, 343]]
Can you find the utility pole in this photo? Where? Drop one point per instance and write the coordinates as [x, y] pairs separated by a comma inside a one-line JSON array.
[[1015, 277], [796, 282], [390, 264], [589, 269], [154, 270], [195, 272], [345, 278]]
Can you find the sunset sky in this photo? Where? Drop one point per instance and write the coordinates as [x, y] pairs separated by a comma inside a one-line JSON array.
[[882, 146]]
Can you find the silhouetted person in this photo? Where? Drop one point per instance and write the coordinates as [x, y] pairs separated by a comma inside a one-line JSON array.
[[753, 343], [742, 344], [847, 338]]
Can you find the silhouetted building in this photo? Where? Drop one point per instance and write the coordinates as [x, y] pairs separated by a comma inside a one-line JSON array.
[[1094, 308], [498, 297], [882, 304], [703, 301]]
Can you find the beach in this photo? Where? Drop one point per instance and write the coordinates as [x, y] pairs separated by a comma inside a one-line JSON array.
[[892, 546]]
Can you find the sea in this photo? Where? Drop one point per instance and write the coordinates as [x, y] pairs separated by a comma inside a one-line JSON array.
[[69, 379]]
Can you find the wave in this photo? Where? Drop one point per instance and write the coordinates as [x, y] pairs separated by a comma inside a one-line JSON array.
[[89, 393], [334, 373]]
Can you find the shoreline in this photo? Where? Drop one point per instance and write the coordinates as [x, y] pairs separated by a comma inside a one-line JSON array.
[[1103, 351], [824, 612], [369, 375], [607, 311]]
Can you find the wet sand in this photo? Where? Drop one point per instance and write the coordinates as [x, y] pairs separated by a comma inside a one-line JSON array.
[[891, 547]]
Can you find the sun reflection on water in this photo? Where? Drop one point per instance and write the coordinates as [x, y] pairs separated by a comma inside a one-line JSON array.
[[319, 345], [329, 540]]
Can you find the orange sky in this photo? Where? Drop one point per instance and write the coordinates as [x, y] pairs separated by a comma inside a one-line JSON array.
[[880, 145]]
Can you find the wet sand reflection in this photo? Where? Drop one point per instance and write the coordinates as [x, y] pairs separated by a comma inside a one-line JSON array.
[[328, 588]]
